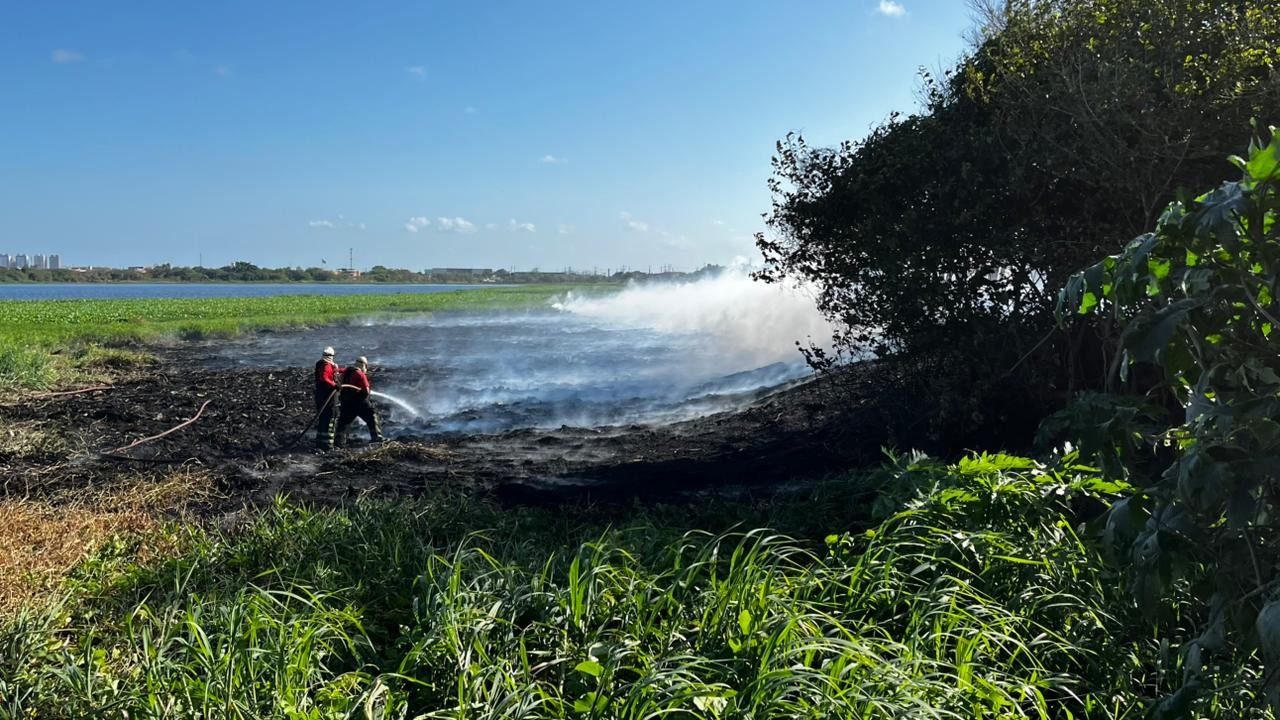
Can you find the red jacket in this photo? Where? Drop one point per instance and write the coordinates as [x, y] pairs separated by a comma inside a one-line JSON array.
[[356, 377], [326, 376]]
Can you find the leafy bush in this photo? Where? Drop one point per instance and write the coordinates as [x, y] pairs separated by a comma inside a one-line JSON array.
[[1196, 306], [941, 238]]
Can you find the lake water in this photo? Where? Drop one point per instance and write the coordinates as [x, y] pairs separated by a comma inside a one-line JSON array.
[[101, 291]]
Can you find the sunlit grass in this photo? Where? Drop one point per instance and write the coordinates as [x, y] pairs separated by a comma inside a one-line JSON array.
[[974, 598], [43, 342]]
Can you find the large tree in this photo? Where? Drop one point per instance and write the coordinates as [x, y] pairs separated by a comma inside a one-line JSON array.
[[941, 238]]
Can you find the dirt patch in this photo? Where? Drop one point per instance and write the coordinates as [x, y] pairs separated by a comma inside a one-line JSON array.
[[249, 445]]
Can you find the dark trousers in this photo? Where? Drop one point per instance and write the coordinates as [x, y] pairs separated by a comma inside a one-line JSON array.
[[326, 401], [352, 407]]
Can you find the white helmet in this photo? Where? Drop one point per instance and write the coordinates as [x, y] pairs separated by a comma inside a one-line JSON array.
[[327, 352], [362, 361]]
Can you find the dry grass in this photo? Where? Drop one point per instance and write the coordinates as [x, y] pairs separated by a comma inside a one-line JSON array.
[[393, 452], [42, 540], [31, 441]]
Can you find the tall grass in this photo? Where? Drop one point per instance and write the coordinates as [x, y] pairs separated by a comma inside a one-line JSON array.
[[974, 598]]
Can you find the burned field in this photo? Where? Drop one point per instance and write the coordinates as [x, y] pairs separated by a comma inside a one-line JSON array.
[[250, 442]]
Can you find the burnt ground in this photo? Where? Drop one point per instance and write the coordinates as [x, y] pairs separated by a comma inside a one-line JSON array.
[[248, 440]]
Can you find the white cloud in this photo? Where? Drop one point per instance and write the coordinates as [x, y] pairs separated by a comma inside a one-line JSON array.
[[341, 222], [553, 160], [62, 57], [718, 223], [456, 224], [525, 226], [415, 224], [891, 8], [417, 71], [470, 110], [633, 223], [222, 70], [564, 229]]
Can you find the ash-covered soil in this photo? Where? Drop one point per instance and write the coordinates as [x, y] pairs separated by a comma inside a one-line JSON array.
[[250, 438]]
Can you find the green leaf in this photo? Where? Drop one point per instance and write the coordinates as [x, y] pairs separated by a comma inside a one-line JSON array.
[[592, 702], [745, 622], [1219, 210], [589, 667], [1178, 705], [1264, 164], [1268, 627], [1145, 340]]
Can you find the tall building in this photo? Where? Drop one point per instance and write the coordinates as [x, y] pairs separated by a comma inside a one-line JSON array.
[[7, 261], [22, 262], [55, 262], [39, 263]]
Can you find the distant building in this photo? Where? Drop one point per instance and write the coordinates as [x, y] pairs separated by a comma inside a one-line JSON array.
[[22, 262], [139, 268], [349, 272], [55, 262], [7, 261], [39, 263]]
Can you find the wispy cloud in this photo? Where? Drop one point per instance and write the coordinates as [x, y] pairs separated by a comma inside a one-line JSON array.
[[63, 57], [565, 229], [553, 160], [633, 223], [414, 224], [891, 8], [341, 222], [456, 224], [417, 71], [521, 226]]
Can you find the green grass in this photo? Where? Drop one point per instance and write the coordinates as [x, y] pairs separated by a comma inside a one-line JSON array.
[[973, 597], [42, 342]]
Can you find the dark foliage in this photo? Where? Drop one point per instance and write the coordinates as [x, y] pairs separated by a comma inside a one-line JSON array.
[[940, 239]]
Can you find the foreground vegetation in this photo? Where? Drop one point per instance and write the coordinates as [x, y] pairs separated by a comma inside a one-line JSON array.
[[48, 342], [973, 595]]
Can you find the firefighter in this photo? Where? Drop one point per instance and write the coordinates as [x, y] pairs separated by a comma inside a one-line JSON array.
[[355, 401], [327, 374]]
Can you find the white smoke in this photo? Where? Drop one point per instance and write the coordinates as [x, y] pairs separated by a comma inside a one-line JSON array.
[[751, 323]]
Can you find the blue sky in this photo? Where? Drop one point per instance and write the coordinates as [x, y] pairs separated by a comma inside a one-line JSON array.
[[432, 133]]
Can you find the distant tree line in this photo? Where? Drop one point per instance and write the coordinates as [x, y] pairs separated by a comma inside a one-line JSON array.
[[248, 272], [941, 239]]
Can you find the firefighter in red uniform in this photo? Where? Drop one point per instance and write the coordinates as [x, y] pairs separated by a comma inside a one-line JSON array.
[[327, 372], [355, 401]]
